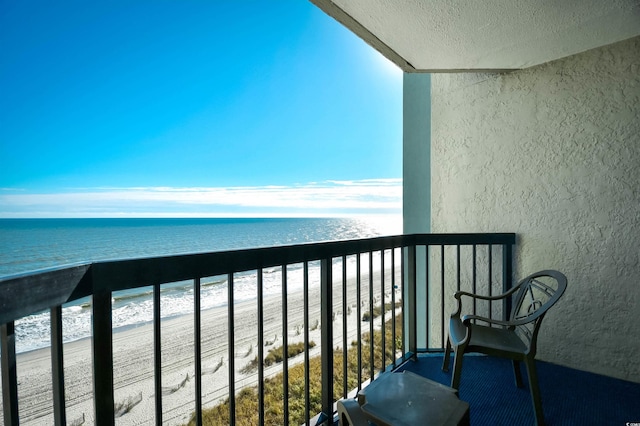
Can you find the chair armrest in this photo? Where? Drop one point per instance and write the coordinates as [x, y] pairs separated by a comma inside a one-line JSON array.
[[458, 295], [468, 318], [508, 293]]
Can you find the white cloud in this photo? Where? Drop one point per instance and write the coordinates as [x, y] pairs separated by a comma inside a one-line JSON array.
[[371, 196]]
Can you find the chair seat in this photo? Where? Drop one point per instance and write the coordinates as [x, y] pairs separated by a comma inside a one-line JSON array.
[[496, 339]]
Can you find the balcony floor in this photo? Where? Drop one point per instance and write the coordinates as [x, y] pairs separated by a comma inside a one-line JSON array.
[[569, 397]]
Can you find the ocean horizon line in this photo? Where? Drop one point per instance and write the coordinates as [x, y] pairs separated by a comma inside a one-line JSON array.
[[207, 216]]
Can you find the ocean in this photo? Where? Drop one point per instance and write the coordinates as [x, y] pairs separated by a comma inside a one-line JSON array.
[[33, 244]]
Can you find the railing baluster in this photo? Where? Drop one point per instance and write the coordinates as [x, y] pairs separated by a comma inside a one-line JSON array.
[[157, 351], [260, 285], [197, 332], [359, 314], [9, 374], [384, 326], [344, 326], [103, 358], [458, 267], [490, 283], [507, 277], [393, 304], [474, 280], [405, 311], [285, 347], [57, 366], [231, 346], [412, 302], [372, 367], [442, 267], [305, 285], [326, 308], [427, 272]]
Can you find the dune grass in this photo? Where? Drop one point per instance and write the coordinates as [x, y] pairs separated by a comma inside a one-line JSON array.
[[377, 311], [275, 356], [247, 400]]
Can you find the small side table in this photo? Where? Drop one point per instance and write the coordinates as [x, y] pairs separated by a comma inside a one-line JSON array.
[[397, 399]]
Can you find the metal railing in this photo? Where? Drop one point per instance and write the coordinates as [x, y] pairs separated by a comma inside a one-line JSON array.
[[411, 276]]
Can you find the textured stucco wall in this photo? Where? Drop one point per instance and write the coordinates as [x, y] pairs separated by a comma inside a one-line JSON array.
[[553, 153]]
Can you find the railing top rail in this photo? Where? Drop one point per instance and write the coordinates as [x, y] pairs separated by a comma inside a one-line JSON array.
[[25, 294]]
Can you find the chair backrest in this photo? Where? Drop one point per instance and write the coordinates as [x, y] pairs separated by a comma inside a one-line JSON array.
[[538, 292]]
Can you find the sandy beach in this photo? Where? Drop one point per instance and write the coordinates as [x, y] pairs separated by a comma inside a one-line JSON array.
[[133, 358]]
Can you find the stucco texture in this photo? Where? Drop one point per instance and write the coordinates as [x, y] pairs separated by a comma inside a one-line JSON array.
[[552, 153]]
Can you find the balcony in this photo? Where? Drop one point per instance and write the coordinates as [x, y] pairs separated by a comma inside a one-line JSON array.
[[328, 290]]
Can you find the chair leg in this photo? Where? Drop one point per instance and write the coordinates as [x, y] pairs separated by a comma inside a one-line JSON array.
[[516, 373], [457, 368], [535, 390], [447, 354]]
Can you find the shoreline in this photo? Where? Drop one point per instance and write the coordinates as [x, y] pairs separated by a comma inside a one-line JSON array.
[[134, 360]]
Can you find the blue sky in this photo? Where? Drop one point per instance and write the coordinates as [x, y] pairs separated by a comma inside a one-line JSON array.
[[193, 108]]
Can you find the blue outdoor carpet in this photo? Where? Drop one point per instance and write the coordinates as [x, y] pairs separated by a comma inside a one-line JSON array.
[[569, 397]]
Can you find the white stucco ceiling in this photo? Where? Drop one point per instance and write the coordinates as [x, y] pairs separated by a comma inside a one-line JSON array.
[[474, 35]]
